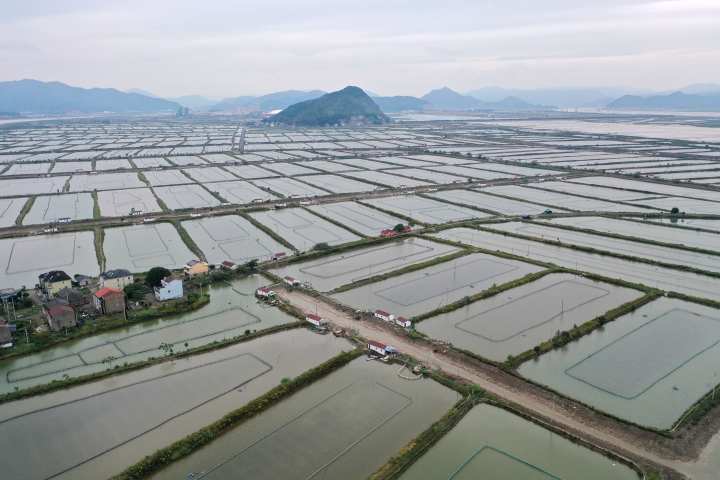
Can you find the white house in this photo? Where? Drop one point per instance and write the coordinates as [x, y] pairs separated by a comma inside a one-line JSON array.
[[380, 348], [314, 319], [264, 292], [383, 315], [403, 322], [290, 281], [169, 289]]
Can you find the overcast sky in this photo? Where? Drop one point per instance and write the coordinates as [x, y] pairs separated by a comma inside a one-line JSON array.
[[234, 47]]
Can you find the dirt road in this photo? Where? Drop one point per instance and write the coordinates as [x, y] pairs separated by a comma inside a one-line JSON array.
[[611, 435]]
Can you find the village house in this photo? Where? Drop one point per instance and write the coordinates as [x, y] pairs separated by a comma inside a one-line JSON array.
[[383, 315], [380, 348], [54, 281], [169, 289], [403, 322], [196, 267], [60, 316], [5, 334], [109, 300], [315, 320], [228, 265], [292, 282], [264, 292], [117, 279]]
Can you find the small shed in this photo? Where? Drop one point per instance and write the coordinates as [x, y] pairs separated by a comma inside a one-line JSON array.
[[291, 281], [60, 316], [380, 348], [383, 315], [228, 265], [264, 292], [403, 322]]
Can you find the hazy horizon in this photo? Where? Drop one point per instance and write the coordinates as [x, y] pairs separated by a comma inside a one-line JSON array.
[[223, 49]]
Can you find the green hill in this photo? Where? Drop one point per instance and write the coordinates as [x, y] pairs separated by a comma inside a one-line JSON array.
[[349, 106]]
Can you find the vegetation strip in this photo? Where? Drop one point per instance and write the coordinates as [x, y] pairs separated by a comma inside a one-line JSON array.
[[96, 205], [334, 222], [619, 236], [401, 271], [411, 221], [409, 454], [490, 292], [184, 447], [99, 238], [25, 210], [579, 331], [268, 231], [595, 251], [56, 385], [188, 240]]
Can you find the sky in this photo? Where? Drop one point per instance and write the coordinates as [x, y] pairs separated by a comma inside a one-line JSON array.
[[223, 48]]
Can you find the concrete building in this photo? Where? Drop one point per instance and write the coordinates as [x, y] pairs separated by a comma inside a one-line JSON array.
[[169, 289], [196, 267], [109, 300], [54, 281], [117, 279], [60, 316]]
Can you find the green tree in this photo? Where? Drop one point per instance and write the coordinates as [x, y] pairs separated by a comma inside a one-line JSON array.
[[675, 211], [155, 275], [399, 228], [321, 246]]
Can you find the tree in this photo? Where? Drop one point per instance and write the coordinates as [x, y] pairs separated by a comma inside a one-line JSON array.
[[321, 246], [399, 228], [155, 275], [136, 291], [674, 211]]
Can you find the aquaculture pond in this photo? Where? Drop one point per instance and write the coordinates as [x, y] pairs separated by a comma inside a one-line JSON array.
[[430, 288], [344, 426], [516, 320], [232, 310], [490, 443], [648, 366], [96, 430]]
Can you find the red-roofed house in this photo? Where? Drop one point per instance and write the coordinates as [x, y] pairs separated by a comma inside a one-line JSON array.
[[109, 300], [403, 322], [60, 316], [314, 319], [380, 348], [264, 292], [291, 281], [228, 265]]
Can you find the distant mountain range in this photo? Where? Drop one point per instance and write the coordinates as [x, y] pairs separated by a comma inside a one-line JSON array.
[[35, 97], [399, 103], [677, 101], [447, 99], [349, 106], [266, 103]]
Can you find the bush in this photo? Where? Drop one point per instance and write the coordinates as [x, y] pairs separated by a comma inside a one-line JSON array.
[[155, 275]]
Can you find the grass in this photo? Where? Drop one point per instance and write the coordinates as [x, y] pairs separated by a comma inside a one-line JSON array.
[[401, 271], [25, 210], [96, 205], [99, 239], [188, 240]]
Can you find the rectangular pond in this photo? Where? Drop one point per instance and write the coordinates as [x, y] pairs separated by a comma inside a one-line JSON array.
[[360, 218], [138, 248], [330, 272], [430, 288], [302, 229], [490, 443], [425, 210], [345, 425], [177, 398], [119, 203], [231, 238], [51, 208], [647, 367], [516, 320], [24, 258]]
